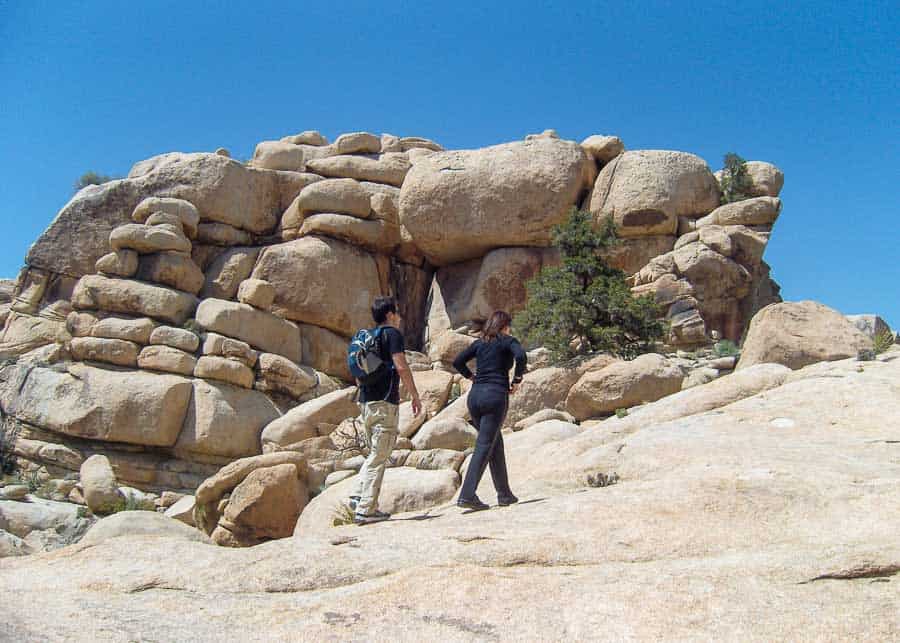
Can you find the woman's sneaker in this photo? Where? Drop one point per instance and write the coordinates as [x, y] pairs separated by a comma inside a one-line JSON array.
[[505, 501], [472, 503], [375, 516]]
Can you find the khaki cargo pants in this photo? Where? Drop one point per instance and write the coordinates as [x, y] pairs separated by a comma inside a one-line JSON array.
[[380, 420]]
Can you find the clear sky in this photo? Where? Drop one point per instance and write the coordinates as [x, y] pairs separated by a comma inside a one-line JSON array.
[[810, 86]]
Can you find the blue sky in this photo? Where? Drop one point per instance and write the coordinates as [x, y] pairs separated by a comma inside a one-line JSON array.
[[812, 87]]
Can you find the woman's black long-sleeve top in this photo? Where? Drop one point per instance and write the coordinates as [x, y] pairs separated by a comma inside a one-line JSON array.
[[493, 361]]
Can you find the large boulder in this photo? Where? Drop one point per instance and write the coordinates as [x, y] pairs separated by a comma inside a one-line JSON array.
[[281, 375], [141, 523], [646, 378], [100, 349], [226, 272], [263, 506], [338, 196], [602, 148], [445, 433], [325, 351], [542, 388], [390, 168], [116, 406], [222, 190], [646, 191], [309, 419], [224, 420], [321, 281], [796, 334], [375, 235], [632, 254], [98, 485], [403, 489], [763, 210], [256, 327], [183, 210], [211, 490], [171, 269], [473, 290], [458, 205], [766, 179], [133, 298], [146, 239], [433, 387]]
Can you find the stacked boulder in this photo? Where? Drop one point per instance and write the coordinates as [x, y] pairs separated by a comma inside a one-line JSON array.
[[130, 312]]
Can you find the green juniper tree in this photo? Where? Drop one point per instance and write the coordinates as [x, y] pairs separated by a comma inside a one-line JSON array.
[[735, 181], [585, 299], [91, 178]]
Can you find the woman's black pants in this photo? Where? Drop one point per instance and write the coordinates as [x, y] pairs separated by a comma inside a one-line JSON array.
[[487, 406]]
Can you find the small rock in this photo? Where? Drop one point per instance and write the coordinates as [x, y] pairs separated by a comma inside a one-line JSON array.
[[14, 492]]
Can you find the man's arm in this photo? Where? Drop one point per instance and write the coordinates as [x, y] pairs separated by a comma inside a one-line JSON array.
[[406, 377]]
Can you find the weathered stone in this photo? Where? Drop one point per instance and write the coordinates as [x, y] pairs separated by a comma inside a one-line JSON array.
[[14, 492], [133, 330], [176, 338], [224, 420], [603, 149], [765, 178], [357, 143], [408, 423], [623, 384], [719, 275], [542, 388], [419, 143], [215, 344], [227, 271], [308, 137], [699, 376], [222, 234], [281, 155], [120, 263], [630, 255], [303, 422], [225, 370], [257, 293], [167, 359], [266, 504], [147, 239], [763, 210], [434, 389], [258, 328], [169, 220], [339, 196], [449, 433], [98, 484], [327, 269], [870, 325], [279, 374], [325, 351], [185, 211], [390, 168], [390, 143], [93, 403], [101, 349], [403, 489], [446, 346], [171, 269], [458, 205], [796, 334], [375, 235], [666, 290], [646, 191], [543, 416], [142, 523], [133, 298], [182, 510]]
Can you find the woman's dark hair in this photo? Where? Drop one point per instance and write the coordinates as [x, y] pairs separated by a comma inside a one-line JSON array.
[[381, 307], [498, 321]]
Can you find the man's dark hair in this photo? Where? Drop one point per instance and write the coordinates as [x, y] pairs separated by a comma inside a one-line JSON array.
[[381, 307]]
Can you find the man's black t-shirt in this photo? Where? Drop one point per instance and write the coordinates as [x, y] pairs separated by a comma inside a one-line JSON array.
[[388, 388]]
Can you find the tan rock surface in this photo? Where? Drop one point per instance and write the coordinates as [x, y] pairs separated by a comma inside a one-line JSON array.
[[763, 210], [145, 524], [146, 239], [341, 196], [256, 327], [646, 378], [222, 234], [215, 344], [171, 269], [374, 235], [390, 168], [797, 334], [603, 149], [133, 298], [279, 374], [167, 359], [445, 433], [117, 406], [100, 349], [704, 504], [98, 485], [223, 369], [227, 271], [224, 420], [327, 270], [176, 338], [302, 422], [325, 351], [119, 263], [646, 191], [458, 205], [183, 210], [257, 293]]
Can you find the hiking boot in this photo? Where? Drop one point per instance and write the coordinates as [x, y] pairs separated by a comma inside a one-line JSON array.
[[367, 519], [354, 500], [472, 503], [505, 501]]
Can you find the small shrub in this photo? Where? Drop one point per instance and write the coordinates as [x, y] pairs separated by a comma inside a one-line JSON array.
[[621, 413], [725, 348], [602, 479], [9, 432], [882, 341], [735, 181], [83, 512], [92, 178], [342, 515]]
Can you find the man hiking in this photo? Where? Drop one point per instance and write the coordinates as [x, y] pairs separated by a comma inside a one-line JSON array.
[[379, 405]]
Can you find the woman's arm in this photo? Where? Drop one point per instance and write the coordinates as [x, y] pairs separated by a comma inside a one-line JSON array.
[[460, 362], [521, 359]]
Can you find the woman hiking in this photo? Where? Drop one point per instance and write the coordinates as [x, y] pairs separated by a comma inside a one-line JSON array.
[[488, 400]]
